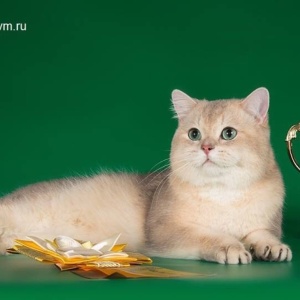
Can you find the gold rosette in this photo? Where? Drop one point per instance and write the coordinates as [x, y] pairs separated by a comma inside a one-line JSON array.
[[105, 259]]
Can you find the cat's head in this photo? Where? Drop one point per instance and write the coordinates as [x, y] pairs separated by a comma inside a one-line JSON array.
[[222, 141]]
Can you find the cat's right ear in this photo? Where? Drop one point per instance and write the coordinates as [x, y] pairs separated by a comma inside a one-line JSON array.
[[182, 103]]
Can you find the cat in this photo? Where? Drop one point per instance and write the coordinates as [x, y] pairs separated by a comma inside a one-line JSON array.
[[220, 199]]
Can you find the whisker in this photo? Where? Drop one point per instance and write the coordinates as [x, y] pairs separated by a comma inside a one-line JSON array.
[[164, 180], [166, 159], [158, 192], [188, 163], [159, 187], [160, 169], [163, 168], [150, 173]]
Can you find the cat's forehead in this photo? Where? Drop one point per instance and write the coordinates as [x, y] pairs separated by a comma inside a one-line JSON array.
[[217, 112], [214, 109]]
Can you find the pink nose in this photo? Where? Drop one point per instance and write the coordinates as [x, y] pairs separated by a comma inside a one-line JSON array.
[[207, 148]]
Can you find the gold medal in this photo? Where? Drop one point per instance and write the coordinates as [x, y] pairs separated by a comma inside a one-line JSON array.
[[292, 134]]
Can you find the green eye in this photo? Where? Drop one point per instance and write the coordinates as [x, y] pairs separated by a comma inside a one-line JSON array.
[[228, 133], [194, 134]]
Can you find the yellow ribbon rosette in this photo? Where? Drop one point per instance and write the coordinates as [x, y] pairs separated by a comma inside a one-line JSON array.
[[105, 259]]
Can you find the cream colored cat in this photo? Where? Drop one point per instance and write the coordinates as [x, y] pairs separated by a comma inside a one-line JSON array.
[[221, 200]]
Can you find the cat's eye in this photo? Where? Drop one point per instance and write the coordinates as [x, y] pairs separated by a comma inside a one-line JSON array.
[[228, 133], [194, 134]]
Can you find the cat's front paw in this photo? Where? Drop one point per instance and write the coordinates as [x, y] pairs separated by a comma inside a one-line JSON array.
[[5, 243], [3, 248], [233, 254], [271, 252]]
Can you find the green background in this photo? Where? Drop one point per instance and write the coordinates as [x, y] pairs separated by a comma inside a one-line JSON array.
[[87, 86]]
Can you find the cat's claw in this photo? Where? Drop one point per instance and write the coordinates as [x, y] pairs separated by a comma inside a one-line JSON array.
[[268, 252], [233, 255]]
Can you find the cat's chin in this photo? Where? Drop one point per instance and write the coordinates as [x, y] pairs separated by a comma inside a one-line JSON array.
[[206, 174], [208, 163], [217, 165], [211, 169]]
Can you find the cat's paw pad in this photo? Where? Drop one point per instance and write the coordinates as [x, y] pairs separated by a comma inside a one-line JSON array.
[[271, 252], [233, 254]]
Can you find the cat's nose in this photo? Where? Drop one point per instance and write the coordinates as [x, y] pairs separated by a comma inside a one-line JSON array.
[[207, 147]]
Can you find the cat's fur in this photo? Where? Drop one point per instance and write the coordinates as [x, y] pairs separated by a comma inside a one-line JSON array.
[[220, 200]]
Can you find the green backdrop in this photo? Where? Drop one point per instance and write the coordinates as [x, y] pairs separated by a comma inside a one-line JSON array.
[[87, 85]]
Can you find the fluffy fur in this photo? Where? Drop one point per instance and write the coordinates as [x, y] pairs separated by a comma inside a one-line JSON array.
[[221, 200]]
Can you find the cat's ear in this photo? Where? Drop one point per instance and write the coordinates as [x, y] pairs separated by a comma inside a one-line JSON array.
[[182, 103], [257, 104]]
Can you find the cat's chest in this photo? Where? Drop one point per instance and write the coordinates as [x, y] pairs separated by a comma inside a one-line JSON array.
[[219, 209], [218, 195]]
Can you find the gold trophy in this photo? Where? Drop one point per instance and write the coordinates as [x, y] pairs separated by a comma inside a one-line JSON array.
[[292, 134]]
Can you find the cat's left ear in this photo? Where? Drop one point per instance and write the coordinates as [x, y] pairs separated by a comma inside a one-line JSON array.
[[257, 104], [182, 103]]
